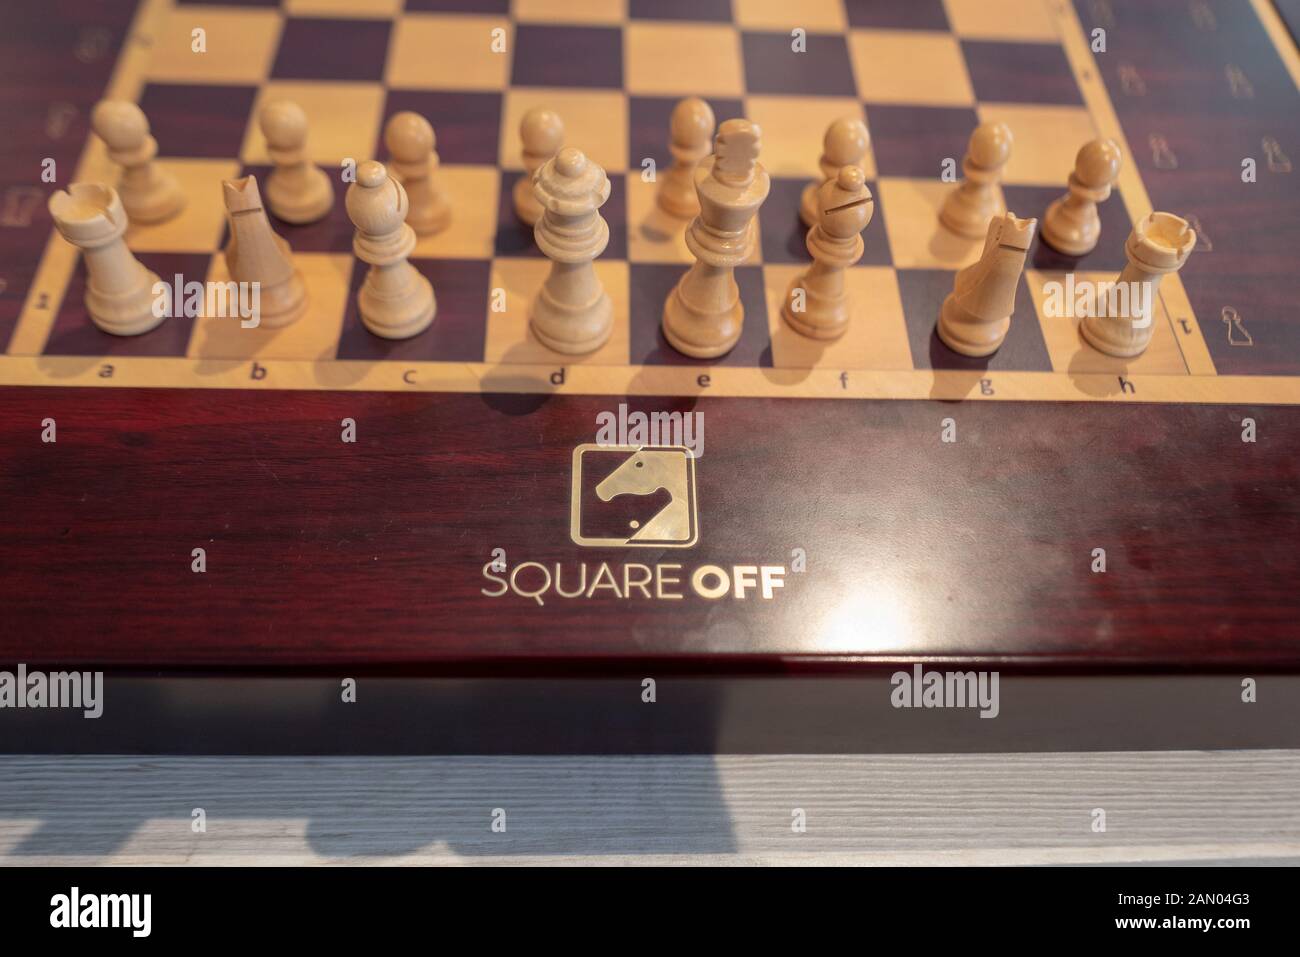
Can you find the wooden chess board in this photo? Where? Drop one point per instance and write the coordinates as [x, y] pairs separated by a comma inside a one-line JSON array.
[[326, 557], [920, 74]]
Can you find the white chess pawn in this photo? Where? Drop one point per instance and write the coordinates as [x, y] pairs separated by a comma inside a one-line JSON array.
[[1157, 246], [845, 144], [1071, 224], [256, 254], [572, 313], [412, 145], [119, 290], [297, 191], [148, 193], [816, 304], [542, 132], [703, 315], [978, 198], [691, 138], [976, 315], [395, 301]]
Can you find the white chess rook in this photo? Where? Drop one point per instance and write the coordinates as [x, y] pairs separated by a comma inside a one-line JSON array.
[[395, 301], [703, 315], [1157, 246], [119, 289], [816, 304], [572, 313]]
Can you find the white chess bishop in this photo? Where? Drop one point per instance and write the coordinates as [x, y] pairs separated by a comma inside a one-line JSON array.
[[395, 301], [572, 313], [816, 304]]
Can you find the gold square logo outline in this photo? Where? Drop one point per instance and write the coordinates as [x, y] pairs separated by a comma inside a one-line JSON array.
[[575, 498]]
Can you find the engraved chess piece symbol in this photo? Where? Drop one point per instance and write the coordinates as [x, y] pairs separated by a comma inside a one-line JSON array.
[[119, 289], [572, 313], [1161, 155], [1157, 246], [845, 144], [20, 203], [1131, 81], [975, 201], [148, 193], [1203, 242], [1238, 84], [703, 315], [395, 301], [1278, 162], [1203, 16], [691, 137], [1071, 224], [1237, 334], [542, 132], [297, 191], [816, 304], [412, 147], [255, 254], [976, 315]]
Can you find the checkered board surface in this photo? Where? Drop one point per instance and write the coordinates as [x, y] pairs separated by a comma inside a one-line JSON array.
[[921, 73]]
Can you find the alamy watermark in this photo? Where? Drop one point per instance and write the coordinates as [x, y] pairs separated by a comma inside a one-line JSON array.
[[919, 688], [222, 300], [624, 428], [53, 689], [1085, 299]]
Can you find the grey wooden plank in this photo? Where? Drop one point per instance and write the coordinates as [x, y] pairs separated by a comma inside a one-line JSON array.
[[887, 809]]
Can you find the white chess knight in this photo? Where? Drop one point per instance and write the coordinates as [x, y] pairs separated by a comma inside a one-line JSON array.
[[572, 313], [976, 315], [703, 315]]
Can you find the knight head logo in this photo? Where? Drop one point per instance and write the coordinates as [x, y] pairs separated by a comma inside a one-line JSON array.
[[628, 496]]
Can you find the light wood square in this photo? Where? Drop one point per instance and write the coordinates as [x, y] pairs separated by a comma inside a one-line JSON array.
[[362, 9], [508, 336], [917, 240], [1071, 353], [342, 120], [197, 228], [793, 129], [910, 66], [313, 336], [815, 16], [1046, 141], [435, 52], [1001, 19], [681, 59], [595, 121], [653, 236], [581, 12], [473, 192], [240, 46], [877, 333]]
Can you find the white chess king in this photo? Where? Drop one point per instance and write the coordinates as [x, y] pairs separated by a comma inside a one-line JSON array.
[[703, 316]]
